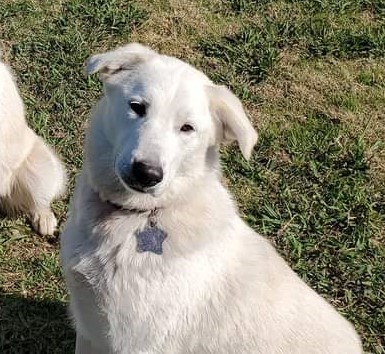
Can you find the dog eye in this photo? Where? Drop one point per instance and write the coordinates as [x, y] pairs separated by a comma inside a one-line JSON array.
[[186, 128], [138, 107]]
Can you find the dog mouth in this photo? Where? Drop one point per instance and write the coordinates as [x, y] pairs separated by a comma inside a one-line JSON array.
[[138, 188], [132, 185]]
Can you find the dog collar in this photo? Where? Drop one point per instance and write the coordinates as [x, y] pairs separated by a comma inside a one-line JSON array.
[[149, 239], [131, 210]]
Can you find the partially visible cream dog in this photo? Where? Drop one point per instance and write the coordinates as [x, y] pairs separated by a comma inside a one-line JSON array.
[[31, 176], [155, 255]]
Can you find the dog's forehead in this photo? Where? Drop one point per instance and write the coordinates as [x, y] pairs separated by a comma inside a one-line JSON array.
[[166, 79]]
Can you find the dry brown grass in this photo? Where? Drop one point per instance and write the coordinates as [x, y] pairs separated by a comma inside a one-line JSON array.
[[298, 86]]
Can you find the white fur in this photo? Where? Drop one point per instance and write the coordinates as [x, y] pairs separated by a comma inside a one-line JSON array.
[[218, 287], [31, 176]]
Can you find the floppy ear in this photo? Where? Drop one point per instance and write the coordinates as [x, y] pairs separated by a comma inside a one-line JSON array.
[[227, 109], [122, 58]]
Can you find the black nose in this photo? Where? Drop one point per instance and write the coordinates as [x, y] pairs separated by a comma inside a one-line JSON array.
[[146, 174]]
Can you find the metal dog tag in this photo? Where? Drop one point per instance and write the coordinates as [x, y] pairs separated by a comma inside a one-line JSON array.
[[150, 239]]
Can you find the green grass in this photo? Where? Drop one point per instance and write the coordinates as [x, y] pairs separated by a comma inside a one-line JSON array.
[[313, 28], [372, 78], [312, 76]]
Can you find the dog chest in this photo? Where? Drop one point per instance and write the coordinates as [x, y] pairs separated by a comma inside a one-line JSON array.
[[139, 295]]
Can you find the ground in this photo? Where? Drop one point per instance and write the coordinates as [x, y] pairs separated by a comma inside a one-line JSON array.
[[311, 74]]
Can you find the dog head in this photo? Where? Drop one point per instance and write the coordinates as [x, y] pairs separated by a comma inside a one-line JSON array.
[[159, 124]]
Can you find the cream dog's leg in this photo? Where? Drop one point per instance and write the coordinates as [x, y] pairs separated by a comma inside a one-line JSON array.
[[39, 181]]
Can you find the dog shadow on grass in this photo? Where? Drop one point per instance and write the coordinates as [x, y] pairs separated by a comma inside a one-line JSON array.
[[34, 326]]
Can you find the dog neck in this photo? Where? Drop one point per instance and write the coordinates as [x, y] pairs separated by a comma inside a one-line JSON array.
[[130, 210], [149, 239], [152, 213]]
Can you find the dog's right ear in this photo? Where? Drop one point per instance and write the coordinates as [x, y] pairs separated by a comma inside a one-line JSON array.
[[122, 58], [228, 110]]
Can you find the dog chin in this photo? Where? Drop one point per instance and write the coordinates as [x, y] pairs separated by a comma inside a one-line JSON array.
[[137, 190]]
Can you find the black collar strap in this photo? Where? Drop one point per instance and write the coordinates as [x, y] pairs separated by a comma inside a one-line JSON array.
[[131, 210], [152, 212]]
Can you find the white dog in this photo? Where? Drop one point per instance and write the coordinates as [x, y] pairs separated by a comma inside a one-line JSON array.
[[31, 176], [155, 256]]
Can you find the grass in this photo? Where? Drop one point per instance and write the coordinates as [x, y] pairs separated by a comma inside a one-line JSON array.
[[312, 76], [338, 29]]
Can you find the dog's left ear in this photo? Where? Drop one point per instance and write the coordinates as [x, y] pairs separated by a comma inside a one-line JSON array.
[[122, 58], [228, 110]]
